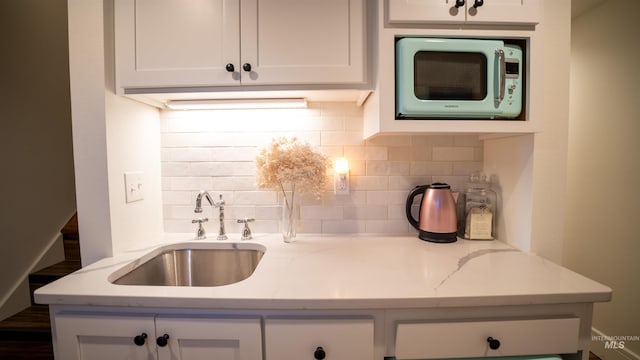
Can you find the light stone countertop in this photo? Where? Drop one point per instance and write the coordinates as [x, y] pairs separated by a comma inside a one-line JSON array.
[[345, 272]]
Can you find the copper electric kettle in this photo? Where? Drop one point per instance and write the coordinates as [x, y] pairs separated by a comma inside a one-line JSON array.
[[438, 220]]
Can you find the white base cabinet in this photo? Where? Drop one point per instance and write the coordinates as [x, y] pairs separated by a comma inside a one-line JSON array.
[[96, 333], [132, 337]]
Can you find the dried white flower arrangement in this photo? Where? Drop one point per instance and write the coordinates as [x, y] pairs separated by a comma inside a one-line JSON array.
[[291, 165]]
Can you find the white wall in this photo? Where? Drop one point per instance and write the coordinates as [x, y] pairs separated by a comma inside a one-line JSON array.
[[37, 192], [604, 167], [215, 151], [111, 135]]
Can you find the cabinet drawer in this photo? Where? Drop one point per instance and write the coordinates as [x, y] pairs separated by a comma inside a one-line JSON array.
[[298, 338], [469, 339]]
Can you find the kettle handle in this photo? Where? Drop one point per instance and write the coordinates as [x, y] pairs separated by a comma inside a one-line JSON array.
[[420, 189]]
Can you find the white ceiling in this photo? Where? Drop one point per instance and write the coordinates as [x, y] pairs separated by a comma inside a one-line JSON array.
[[580, 6]]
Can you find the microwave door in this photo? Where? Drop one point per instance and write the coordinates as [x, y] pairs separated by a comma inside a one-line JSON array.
[[450, 76]]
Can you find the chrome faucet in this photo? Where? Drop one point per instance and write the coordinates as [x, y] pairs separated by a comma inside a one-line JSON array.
[[198, 209]]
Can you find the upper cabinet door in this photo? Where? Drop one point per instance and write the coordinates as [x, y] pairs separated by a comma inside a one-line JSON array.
[[461, 11], [173, 43], [303, 41], [436, 11], [505, 12]]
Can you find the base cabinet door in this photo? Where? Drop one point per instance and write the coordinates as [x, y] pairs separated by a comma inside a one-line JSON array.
[[209, 338], [95, 337], [149, 337], [335, 339]]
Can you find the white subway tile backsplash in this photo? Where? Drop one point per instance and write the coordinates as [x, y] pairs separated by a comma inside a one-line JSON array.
[[369, 182], [388, 168], [368, 212], [430, 168], [341, 138], [451, 153], [321, 212], [343, 226], [256, 198], [216, 150]]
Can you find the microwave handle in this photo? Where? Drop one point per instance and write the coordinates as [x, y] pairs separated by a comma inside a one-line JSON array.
[[503, 76]]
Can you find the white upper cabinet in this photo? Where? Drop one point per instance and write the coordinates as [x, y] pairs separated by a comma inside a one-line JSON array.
[[462, 11], [208, 43]]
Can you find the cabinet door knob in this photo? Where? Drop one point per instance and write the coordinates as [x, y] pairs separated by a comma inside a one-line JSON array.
[[230, 67], [246, 67], [140, 339], [162, 340], [478, 3], [494, 344], [319, 354], [459, 3]]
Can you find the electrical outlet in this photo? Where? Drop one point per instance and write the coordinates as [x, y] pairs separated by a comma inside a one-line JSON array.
[[133, 186]]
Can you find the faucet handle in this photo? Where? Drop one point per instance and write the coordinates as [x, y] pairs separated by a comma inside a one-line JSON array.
[[246, 231], [200, 233]]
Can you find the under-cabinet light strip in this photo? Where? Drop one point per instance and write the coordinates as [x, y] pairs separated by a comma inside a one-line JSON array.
[[234, 104]]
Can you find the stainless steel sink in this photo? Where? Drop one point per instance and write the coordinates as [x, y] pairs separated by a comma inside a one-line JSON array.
[[192, 267]]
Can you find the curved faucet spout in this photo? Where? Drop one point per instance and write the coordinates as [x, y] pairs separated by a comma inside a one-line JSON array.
[[202, 194]]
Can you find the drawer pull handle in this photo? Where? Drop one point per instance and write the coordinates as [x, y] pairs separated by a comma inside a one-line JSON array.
[[494, 344], [162, 340], [140, 339], [319, 354]]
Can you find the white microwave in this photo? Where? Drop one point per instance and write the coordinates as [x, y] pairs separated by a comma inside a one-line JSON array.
[[458, 79]]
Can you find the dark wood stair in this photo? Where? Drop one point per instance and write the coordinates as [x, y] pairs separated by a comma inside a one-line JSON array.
[[27, 334]]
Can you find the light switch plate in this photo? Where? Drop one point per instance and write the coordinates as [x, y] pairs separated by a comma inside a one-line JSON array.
[[133, 186]]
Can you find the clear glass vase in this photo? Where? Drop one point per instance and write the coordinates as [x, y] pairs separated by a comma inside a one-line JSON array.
[[290, 216]]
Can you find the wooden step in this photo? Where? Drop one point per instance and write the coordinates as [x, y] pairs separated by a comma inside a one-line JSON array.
[[26, 350], [71, 249], [52, 273], [70, 229], [31, 324]]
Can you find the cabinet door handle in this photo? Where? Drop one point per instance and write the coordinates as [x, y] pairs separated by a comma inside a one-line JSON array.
[[494, 344], [140, 339], [246, 67], [162, 340], [478, 3], [230, 67], [319, 354], [459, 3]]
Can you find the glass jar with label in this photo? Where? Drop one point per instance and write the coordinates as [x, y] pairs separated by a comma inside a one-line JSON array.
[[478, 216]]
